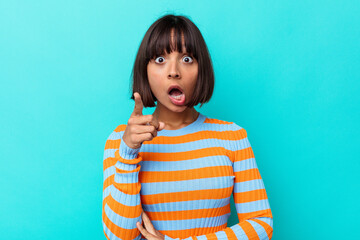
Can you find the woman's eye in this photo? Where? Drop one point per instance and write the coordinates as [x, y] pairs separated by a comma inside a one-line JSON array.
[[188, 59], [159, 59]]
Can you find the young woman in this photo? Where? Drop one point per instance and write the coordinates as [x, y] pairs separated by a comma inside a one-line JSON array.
[[170, 175]]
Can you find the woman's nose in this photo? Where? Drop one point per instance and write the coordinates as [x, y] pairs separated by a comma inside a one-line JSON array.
[[174, 71]]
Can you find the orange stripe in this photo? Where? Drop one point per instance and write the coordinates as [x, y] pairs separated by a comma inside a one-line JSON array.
[[186, 196], [249, 196], [255, 214], [243, 154], [127, 161], [112, 144], [230, 233], [211, 236], [127, 188], [123, 210], [106, 235], [247, 175], [109, 162], [119, 231], [249, 230], [266, 226], [206, 172], [189, 214], [120, 128], [216, 121], [108, 181]]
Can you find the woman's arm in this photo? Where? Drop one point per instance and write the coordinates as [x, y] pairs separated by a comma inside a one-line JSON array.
[[251, 202], [121, 188]]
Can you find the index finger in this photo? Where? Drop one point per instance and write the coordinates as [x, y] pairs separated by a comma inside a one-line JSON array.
[[138, 105]]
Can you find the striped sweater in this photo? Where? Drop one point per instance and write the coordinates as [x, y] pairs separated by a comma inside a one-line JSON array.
[[183, 179]]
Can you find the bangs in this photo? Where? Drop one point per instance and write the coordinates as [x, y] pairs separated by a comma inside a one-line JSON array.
[[161, 42]]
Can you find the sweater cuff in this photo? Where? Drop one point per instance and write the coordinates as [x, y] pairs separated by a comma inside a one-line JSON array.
[[169, 238], [127, 152]]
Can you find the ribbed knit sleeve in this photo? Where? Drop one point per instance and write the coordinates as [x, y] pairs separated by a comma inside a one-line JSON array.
[[251, 202], [121, 207]]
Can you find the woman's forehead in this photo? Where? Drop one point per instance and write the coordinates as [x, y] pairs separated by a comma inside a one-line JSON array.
[[173, 40], [173, 43]]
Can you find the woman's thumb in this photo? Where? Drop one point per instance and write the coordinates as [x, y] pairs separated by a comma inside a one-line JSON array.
[[161, 126]]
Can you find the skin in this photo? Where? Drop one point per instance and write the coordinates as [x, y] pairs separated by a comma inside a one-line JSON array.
[[165, 70], [149, 232]]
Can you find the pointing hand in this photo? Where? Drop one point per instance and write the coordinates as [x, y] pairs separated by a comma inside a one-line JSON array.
[[140, 127]]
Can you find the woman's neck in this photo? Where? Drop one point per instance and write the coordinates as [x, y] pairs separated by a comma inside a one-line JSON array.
[[175, 120]]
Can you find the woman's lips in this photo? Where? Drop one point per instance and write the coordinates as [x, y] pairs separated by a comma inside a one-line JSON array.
[[178, 101]]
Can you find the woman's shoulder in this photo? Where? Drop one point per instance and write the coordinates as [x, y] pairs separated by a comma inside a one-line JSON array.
[[117, 132], [120, 128], [232, 129], [223, 124]]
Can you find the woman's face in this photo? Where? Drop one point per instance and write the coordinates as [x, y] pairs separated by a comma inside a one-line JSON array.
[[172, 69]]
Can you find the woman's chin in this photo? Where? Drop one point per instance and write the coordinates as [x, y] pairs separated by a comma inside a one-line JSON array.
[[173, 107], [177, 108]]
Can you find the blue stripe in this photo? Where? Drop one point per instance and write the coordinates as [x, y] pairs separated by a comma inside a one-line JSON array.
[[109, 153], [191, 128], [186, 205], [259, 230], [169, 238], [248, 186], [199, 125], [106, 192], [120, 221], [109, 233], [124, 166], [196, 145], [128, 200], [221, 235], [202, 237], [267, 220], [247, 164], [252, 206], [187, 224], [108, 172], [132, 177], [239, 232], [211, 161], [115, 135], [187, 185]]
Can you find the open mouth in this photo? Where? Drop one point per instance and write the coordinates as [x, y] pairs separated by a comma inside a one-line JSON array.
[[176, 95]]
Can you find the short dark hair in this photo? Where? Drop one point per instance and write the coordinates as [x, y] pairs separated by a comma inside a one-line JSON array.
[[156, 40]]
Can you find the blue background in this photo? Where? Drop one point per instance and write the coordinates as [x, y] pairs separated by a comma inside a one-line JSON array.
[[288, 72]]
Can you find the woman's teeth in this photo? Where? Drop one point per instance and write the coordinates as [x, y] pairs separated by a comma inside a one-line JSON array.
[[178, 97]]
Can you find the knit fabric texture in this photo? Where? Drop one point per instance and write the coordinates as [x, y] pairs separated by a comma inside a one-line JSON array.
[[183, 180]]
